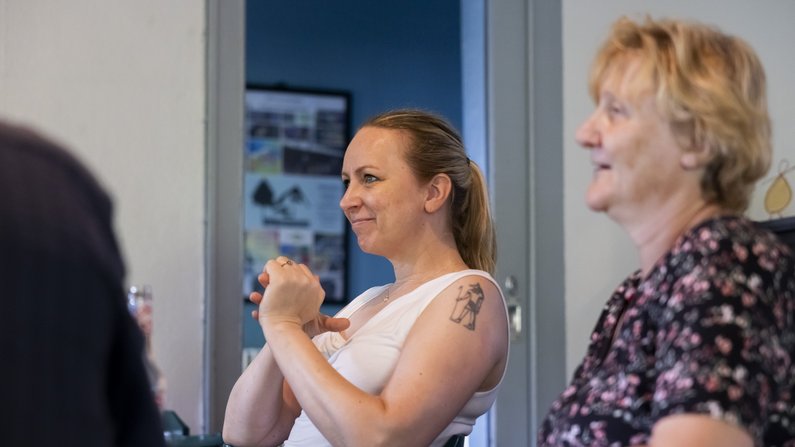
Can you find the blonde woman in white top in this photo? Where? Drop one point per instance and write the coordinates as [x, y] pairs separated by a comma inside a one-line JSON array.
[[409, 363]]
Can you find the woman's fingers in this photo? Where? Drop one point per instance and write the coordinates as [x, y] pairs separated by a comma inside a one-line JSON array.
[[291, 291], [255, 297], [285, 262], [333, 324], [264, 279], [306, 271]]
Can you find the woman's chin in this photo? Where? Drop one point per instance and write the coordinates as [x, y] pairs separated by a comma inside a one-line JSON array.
[[596, 202], [364, 245], [370, 249]]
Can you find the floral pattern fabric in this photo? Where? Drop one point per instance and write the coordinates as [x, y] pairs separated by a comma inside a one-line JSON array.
[[710, 330]]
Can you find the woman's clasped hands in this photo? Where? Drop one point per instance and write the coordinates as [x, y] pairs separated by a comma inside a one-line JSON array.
[[292, 295]]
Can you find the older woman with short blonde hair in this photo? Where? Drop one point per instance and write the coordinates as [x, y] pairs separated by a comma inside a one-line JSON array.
[[696, 347]]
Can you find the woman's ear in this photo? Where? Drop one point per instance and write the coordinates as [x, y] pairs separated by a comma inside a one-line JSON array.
[[438, 192], [696, 157]]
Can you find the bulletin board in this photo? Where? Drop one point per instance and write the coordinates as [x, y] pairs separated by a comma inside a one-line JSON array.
[[294, 145]]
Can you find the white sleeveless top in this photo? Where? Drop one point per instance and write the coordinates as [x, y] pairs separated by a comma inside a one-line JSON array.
[[369, 357]]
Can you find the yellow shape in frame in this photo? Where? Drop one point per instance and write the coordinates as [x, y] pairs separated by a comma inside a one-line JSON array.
[[779, 194]]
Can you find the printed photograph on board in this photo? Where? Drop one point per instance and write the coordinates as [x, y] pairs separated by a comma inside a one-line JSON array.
[[295, 141]]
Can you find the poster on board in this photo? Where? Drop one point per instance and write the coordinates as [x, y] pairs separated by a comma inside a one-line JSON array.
[[294, 143]]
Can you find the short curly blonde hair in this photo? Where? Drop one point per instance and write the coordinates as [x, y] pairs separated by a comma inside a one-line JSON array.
[[711, 87]]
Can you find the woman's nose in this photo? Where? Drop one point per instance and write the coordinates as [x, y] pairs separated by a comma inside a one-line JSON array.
[[587, 135], [349, 198]]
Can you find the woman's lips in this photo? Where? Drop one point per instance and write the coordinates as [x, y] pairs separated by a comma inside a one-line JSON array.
[[361, 221]]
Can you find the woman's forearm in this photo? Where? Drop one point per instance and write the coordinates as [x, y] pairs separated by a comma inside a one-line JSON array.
[[344, 414], [697, 430], [256, 412]]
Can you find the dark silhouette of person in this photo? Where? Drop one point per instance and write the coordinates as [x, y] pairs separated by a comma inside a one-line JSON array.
[[72, 354]]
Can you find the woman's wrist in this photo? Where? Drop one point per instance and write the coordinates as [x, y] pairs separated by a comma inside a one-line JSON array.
[[274, 324]]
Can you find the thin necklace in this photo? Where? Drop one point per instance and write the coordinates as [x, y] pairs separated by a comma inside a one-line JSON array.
[[388, 290], [394, 285]]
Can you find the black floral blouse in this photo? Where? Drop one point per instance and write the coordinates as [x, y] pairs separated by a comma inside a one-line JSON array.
[[710, 330]]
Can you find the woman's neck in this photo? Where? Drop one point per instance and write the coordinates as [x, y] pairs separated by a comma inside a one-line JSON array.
[[657, 236], [430, 262]]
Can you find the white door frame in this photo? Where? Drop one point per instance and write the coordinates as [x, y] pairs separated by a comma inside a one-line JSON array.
[[222, 323], [524, 81]]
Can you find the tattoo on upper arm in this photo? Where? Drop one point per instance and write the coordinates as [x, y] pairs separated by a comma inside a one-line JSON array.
[[467, 305]]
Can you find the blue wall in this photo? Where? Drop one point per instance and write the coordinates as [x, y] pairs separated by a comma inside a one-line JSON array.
[[386, 54]]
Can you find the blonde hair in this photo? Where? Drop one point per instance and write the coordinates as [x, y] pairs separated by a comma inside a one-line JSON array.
[[711, 87], [436, 148]]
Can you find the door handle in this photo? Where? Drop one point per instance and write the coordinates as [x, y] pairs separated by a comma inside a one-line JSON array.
[[514, 308], [515, 320]]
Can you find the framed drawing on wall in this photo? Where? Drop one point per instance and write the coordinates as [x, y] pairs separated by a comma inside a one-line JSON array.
[[294, 143]]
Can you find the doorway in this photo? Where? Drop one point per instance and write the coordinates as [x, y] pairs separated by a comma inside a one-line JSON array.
[[510, 113]]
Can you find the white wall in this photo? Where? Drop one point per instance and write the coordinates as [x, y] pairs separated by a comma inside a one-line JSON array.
[[122, 84], [598, 254]]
